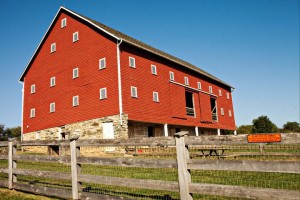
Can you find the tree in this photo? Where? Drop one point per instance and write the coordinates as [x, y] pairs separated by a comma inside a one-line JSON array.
[[244, 129], [264, 125], [14, 132], [1, 129], [290, 127]]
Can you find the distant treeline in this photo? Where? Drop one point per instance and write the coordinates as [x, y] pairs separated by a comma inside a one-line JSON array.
[[264, 125], [5, 133]]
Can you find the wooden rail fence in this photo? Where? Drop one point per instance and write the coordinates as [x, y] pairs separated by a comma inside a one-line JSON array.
[[183, 163]]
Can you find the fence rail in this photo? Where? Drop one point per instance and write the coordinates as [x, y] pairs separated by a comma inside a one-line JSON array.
[[184, 150]]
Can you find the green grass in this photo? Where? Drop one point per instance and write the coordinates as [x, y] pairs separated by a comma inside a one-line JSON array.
[[250, 179], [6, 194]]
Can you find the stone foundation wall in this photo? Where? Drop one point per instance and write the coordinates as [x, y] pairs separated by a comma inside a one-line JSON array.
[[90, 129]]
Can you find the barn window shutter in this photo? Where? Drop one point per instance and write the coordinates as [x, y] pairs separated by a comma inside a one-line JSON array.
[[205, 109], [177, 96]]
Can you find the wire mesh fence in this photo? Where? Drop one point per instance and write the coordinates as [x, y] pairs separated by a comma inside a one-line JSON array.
[[131, 153], [132, 163], [287, 181]]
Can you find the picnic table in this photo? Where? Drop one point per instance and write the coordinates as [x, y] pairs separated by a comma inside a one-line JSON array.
[[213, 151]]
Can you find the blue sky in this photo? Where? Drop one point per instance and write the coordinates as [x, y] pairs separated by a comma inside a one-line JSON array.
[[250, 44]]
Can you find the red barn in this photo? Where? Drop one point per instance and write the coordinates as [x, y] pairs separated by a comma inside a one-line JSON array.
[[87, 77]]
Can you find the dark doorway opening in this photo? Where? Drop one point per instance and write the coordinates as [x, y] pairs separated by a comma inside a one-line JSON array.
[[150, 131], [189, 103], [213, 107]]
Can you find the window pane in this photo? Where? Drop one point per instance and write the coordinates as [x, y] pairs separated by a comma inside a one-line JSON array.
[[172, 76]]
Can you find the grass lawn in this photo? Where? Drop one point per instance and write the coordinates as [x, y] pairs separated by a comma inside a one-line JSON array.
[[250, 179], [6, 194]]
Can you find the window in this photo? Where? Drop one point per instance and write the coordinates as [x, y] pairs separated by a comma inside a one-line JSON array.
[[153, 70], [229, 113], [63, 22], [103, 94], [213, 108], [102, 63], [75, 101], [52, 107], [75, 36], [189, 103], [227, 95], [155, 97], [210, 89], [52, 81], [75, 73], [32, 90], [172, 78], [220, 92], [186, 80], [53, 47], [132, 62], [199, 85], [134, 92], [222, 111], [32, 112]]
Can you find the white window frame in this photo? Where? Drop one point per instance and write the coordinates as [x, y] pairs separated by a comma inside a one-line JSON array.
[[227, 95], [32, 89], [132, 58], [134, 90], [229, 113], [102, 61], [52, 81], [105, 93], [75, 101], [153, 70], [53, 47], [199, 86], [75, 36], [186, 80], [32, 112], [172, 77], [63, 22], [75, 75], [52, 107], [222, 111], [155, 97], [210, 89], [220, 92]]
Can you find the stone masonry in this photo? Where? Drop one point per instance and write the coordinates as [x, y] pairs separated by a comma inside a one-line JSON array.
[[90, 129]]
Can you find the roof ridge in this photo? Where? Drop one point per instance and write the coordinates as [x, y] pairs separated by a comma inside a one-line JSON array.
[[151, 48], [130, 40]]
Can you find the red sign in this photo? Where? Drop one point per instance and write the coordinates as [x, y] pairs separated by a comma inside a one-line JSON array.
[[264, 138]]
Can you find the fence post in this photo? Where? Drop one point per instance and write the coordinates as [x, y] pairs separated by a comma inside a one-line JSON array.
[[184, 176], [262, 149], [75, 168], [12, 164]]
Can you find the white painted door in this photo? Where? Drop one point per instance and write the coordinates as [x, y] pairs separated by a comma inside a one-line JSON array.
[[108, 133], [108, 130]]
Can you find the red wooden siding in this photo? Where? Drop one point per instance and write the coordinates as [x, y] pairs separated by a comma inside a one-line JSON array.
[[85, 55], [170, 109]]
